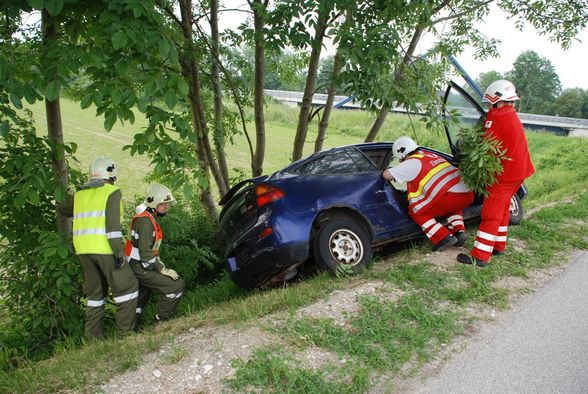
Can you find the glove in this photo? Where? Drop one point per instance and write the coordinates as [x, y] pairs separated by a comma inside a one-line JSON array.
[[169, 272], [118, 262]]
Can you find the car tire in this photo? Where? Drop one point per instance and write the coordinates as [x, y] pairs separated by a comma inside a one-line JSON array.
[[342, 244], [516, 210]]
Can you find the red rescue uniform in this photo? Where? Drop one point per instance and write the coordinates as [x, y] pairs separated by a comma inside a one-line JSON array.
[[504, 125], [435, 191]]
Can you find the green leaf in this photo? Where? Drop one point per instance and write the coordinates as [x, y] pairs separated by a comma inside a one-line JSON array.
[[163, 47], [119, 40], [38, 4], [142, 104], [52, 91], [115, 96], [109, 119], [62, 251], [4, 129], [160, 168], [183, 87], [54, 7], [16, 101], [50, 252], [86, 101], [34, 197], [122, 68], [171, 99], [188, 191], [59, 193], [3, 68]]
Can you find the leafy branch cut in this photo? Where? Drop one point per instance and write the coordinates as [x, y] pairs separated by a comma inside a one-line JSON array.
[[480, 158]]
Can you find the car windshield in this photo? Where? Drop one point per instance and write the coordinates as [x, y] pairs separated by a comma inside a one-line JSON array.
[[345, 161]]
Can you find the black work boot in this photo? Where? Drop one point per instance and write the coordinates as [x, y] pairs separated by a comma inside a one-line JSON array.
[[497, 252], [461, 238], [467, 259], [445, 243]]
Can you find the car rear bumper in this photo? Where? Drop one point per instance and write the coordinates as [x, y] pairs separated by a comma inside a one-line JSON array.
[[250, 267]]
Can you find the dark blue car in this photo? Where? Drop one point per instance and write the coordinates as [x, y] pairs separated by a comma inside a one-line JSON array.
[[332, 208]]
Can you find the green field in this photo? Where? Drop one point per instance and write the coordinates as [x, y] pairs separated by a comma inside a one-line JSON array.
[[85, 129]]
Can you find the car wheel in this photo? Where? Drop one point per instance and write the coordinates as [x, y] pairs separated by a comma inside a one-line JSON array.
[[516, 210], [342, 244]]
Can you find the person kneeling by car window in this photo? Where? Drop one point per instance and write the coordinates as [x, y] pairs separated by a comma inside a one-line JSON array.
[[434, 189], [142, 252]]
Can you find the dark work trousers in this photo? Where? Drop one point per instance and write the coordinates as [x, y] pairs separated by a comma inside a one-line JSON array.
[[170, 291], [99, 274]]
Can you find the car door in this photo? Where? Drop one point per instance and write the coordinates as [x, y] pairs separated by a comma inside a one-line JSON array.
[[387, 208], [460, 110]]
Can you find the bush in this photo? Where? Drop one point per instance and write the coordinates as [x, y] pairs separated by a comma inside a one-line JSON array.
[[189, 245], [41, 277]]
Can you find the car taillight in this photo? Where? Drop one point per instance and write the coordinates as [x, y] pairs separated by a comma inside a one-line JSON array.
[[266, 193], [266, 232]]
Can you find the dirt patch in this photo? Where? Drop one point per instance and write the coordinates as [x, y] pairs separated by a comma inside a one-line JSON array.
[[341, 303], [203, 368]]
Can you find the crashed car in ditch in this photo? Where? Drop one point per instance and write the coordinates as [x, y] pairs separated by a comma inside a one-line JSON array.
[[331, 208]]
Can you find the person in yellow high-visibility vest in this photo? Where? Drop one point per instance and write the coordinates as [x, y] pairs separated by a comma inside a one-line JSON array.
[[98, 241]]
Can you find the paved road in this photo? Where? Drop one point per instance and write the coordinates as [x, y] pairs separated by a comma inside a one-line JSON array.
[[539, 346]]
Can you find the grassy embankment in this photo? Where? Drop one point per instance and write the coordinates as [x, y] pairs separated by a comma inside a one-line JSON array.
[[387, 333]]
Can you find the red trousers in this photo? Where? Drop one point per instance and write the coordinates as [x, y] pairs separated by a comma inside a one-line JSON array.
[[449, 206], [495, 217]]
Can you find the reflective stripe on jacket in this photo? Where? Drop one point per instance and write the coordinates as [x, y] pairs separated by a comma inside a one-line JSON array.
[[437, 176], [89, 220], [131, 250]]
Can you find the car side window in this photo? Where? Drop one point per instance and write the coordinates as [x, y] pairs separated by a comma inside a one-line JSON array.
[[348, 161]]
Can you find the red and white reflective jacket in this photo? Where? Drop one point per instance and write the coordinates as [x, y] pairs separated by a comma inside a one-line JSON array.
[[131, 249], [504, 124], [436, 177]]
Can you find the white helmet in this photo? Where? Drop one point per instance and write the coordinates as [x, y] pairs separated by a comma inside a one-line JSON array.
[[403, 146], [158, 194], [103, 168], [501, 90]]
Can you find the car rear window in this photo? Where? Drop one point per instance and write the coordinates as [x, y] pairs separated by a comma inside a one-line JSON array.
[[347, 161]]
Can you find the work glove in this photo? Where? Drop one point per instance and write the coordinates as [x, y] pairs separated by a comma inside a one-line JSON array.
[[169, 272]]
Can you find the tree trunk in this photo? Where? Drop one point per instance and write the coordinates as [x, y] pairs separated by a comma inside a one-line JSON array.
[[218, 136], [399, 74], [259, 9], [190, 72], [303, 118], [324, 123], [54, 125]]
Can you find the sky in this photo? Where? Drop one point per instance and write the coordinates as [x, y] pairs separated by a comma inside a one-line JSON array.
[[570, 65]]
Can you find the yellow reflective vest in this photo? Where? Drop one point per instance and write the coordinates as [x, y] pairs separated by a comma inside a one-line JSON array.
[[89, 220]]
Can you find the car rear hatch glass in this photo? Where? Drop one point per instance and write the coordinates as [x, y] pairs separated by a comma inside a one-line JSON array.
[[239, 213]]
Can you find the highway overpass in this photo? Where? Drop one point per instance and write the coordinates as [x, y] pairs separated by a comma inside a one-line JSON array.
[[556, 124]]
